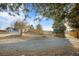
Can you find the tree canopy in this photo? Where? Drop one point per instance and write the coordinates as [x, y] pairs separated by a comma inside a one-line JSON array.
[[59, 12], [14, 9]]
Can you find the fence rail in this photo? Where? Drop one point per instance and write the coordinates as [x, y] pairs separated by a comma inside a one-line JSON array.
[[74, 34]]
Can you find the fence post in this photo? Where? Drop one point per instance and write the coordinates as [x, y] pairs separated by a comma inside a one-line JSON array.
[[77, 35]]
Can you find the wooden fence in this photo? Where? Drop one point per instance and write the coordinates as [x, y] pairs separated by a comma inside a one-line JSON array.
[[74, 34]]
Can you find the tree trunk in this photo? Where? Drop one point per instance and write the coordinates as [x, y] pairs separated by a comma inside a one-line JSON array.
[[63, 34], [20, 32]]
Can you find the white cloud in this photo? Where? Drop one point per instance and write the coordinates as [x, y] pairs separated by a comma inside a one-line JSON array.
[[40, 16], [31, 21], [47, 28], [8, 20], [5, 20]]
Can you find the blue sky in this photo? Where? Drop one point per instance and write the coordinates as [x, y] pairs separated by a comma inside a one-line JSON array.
[[46, 24], [6, 20]]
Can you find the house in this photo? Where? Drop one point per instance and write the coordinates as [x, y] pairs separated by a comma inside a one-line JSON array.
[[9, 29]]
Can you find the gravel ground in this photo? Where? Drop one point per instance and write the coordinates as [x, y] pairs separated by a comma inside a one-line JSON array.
[[39, 45]]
